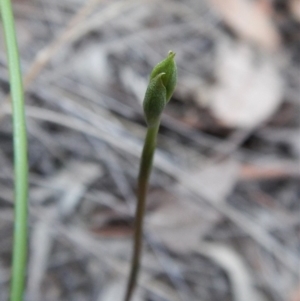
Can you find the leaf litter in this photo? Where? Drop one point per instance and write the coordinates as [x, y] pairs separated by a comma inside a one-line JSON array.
[[223, 201]]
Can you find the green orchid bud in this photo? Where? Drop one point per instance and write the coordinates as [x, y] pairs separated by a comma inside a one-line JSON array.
[[167, 66], [155, 100], [159, 91]]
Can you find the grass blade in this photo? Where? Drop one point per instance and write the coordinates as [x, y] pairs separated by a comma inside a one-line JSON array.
[[20, 154]]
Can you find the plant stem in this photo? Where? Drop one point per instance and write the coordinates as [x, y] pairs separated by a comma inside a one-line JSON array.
[[20, 154], [143, 179]]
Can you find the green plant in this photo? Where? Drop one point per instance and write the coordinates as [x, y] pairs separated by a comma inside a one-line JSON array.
[[20, 154], [159, 91]]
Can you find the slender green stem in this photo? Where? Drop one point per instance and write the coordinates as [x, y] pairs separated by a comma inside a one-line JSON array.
[[20, 154], [143, 179]]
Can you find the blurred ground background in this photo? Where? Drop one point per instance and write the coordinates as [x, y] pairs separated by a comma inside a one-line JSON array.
[[223, 212]]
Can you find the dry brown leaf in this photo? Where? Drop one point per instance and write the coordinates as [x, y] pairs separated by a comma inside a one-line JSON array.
[[294, 6], [180, 225], [215, 181], [251, 20], [248, 91], [295, 296]]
